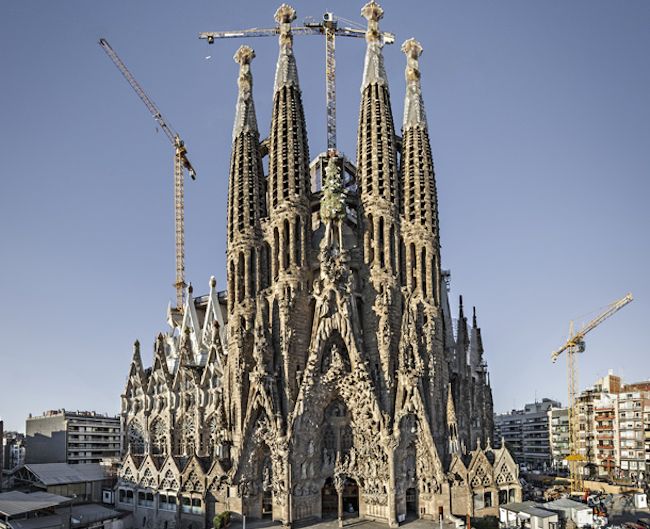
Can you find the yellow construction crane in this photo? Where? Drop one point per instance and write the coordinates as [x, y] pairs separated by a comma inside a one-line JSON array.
[[329, 28], [576, 344], [181, 162]]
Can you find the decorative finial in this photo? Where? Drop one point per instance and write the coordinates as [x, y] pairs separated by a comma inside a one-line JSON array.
[[373, 13], [286, 73], [474, 317], [412, 48], [136, 346], [414, 114], [285, 14], [373, 70], [190, 288], [245, 120], [244, 55], [213, 282]]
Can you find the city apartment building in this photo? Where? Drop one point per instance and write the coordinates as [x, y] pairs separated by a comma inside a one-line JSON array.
[[632, 401], [13, 450], [597, 411], [526, 433], [614, 428], [558, 433], [60, 436]]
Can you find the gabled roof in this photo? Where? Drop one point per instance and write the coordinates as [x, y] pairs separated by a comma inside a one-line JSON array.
[[63, 473], [15, 503]]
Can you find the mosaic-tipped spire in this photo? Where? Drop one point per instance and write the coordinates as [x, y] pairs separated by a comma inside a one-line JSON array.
[[288, 150], [377, 171], [414, 115], [286, 73], [373, 69], [245, 193], [419, 201], [245, 119]]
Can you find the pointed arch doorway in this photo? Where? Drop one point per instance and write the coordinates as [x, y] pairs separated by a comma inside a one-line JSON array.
[[350, 498]]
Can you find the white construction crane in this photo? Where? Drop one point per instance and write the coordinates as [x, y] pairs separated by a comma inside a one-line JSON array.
[[330, 29], [576, 344], [180, 162]]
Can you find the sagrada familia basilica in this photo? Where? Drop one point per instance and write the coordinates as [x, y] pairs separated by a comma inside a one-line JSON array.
[[329, 378]]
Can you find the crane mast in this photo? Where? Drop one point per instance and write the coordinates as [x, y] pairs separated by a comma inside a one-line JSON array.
[[181, 163], [576, 344], [329, 28]]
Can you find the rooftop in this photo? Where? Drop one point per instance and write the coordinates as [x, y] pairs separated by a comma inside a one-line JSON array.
[[63, 473], [15, 503]]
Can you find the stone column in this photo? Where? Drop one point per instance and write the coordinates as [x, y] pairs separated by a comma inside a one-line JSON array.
[[391, 444], [339, 481]]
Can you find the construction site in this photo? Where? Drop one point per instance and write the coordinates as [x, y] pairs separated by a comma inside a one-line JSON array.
[[267, 399], [327, 373]]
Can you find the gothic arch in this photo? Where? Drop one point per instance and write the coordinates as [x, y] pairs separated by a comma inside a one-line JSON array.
[[135, 437], [158, 433]]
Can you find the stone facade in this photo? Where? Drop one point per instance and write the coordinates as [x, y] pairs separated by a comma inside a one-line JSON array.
[[329, 376]]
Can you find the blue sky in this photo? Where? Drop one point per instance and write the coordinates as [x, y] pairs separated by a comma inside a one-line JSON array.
[[539, 118]]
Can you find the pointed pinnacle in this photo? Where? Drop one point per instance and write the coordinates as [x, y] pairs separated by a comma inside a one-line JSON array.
[[474, 317]]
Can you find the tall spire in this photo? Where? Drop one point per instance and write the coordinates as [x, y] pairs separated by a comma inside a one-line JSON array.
[[419, 198], [288, 150], [286, 73], [377, 171], [246, 198], [452, 423]]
